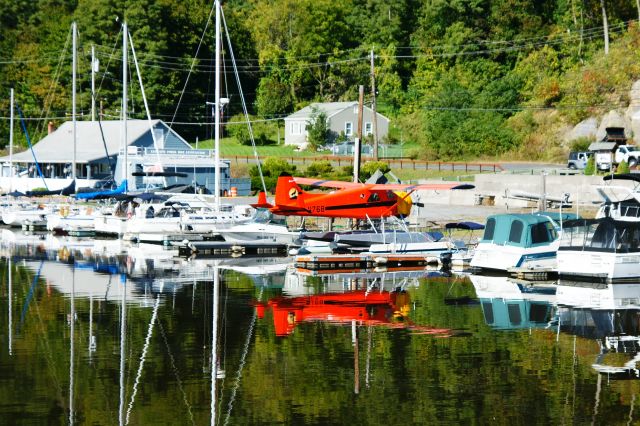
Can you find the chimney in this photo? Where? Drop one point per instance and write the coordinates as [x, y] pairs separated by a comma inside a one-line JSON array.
[[51, 127]]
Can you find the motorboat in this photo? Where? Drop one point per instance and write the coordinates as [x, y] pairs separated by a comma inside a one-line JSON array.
[[520, 241], [31, 213], [607, 248], [264, 227]]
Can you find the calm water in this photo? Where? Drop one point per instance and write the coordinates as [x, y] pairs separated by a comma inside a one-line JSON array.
[[92, 338]]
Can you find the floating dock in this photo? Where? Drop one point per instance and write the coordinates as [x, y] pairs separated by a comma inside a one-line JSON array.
[[355, 262], [223, 249]]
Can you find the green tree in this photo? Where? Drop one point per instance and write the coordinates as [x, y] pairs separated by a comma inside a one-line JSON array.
[[317, 129], [590, 168], [623, 168]]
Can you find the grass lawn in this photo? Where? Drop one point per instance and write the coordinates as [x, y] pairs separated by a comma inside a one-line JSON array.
[[230, 147]]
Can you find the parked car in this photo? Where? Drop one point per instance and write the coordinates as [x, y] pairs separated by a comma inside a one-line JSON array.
[[578, 159]]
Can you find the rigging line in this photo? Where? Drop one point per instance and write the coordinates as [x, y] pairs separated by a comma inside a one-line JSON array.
[[143, 356], [146, 106], [48, 100], [104, 74], [26, 134], [244, 104], [243, 359], [175, 372], [193, 63]]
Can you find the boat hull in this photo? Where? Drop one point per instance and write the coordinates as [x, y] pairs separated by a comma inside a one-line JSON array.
[[504, 257], [599, 266]]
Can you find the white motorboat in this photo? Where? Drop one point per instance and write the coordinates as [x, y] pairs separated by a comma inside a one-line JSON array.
[[71, 218], [519, 241], [607, 248], [26, 214], [264, 227]]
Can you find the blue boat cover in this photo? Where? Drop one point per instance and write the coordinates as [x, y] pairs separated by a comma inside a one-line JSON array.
[[472, 226], [103, 194]]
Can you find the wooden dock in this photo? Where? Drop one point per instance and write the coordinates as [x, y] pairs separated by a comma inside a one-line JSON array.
[[353, 262], [222, 249]]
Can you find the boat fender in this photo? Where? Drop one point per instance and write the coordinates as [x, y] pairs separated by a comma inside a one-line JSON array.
[[380, 260]]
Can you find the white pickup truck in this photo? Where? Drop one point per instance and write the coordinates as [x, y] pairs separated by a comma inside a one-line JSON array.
[[628, 153]]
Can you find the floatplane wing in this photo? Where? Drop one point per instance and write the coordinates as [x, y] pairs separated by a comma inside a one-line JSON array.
[[348, 200], [380, 186]]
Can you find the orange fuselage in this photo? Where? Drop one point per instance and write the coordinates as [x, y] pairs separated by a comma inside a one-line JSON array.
[[361, 202]]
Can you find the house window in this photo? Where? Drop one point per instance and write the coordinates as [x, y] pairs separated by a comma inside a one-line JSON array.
[[368, 129], [296, 129], [348, 128]]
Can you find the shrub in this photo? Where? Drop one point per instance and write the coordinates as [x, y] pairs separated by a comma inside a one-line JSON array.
[[581, 144], [623, 168], [272, 168], [319, 169], [370, 168], [590, 168]]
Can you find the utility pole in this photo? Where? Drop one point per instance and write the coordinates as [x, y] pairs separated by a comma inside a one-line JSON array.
[[357, 146], [373, 107], [93, 82], [605, 27]]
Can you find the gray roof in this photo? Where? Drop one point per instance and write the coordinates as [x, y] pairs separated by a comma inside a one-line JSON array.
[[329, 108], [57, 147], [602, 146]]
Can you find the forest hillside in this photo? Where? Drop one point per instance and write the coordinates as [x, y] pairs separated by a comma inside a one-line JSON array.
[[463, 79]]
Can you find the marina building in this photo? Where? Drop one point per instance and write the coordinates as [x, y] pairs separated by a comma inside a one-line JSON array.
[[156, 157]]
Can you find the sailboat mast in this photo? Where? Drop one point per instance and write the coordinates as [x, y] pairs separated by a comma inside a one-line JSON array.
[[73, 96], [125, 165], [11, 143], [216, 111]]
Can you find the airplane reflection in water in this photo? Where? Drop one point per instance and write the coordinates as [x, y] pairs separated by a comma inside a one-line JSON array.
[[357, 298], [606, 313]]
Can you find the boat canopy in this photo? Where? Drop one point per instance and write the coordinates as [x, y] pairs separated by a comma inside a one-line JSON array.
[[602, 235], [471, 226], [523, 230]]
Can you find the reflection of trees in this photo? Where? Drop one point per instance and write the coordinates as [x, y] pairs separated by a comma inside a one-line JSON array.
[[305, 377]]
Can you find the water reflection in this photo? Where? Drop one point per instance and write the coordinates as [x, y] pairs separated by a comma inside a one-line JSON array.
[[608, 313], [108, 333], [511, 304]]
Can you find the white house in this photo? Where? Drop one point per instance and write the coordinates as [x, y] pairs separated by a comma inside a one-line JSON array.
[[342, 118]]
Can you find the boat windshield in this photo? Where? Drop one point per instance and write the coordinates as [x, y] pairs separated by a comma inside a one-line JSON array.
[[265, 216], [601, 235]]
